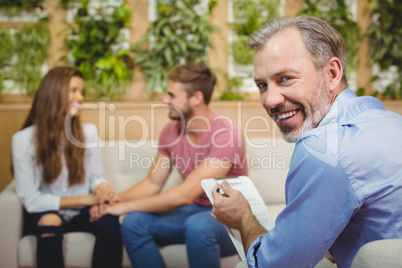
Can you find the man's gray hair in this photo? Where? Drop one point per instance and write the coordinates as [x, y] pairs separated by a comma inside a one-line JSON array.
[[322, 41]]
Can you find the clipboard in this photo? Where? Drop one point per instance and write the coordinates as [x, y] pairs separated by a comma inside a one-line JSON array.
[[246, 186]]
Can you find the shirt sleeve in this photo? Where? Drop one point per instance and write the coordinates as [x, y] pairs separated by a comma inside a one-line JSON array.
[[320, 202], [93, 157], [27, 175]]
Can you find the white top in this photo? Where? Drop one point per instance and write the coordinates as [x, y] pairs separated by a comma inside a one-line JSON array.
[[34, 193]]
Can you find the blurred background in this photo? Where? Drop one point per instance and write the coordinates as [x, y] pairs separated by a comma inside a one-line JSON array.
[[125, 48]]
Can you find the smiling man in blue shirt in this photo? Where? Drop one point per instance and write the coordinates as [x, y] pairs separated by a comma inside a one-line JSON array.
[[344, 186]]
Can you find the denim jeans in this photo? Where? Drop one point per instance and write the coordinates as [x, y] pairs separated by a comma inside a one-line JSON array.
[[108, 245], [206, 239]]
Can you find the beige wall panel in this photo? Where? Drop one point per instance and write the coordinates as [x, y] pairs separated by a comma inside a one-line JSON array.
[[139, 24], [218, 55], [132, 121], [128, 121], [12, 117], [364, 70], [57, 24], [292, 7]]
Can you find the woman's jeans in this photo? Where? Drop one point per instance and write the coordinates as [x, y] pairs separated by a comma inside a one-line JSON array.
[[108, 246], [206, 239]]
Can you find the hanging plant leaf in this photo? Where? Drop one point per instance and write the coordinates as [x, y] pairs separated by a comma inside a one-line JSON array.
[[385, 34], [95, 44], [179, 34], [339, 17], [29, 45]]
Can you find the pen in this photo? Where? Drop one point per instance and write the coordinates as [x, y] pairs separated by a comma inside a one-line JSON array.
[[220, 190]]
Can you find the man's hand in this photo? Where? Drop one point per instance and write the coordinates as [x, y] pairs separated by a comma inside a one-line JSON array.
[[104, 192], [99, 210], [231, 208], [115, 199]]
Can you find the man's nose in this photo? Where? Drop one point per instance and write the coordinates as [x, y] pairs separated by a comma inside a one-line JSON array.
[[166, 99], [272, 98]]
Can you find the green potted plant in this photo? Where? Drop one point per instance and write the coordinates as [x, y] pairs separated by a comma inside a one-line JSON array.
[[23, 50], [336, 14], [385, 35], [96, 44], [179, 34], [248, 16], [13, 7], [23, 55]]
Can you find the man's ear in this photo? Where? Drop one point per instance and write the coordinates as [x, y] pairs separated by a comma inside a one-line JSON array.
[[197, 98], [333, 72]]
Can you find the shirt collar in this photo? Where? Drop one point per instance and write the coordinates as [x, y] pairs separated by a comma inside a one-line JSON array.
[[347, 106]]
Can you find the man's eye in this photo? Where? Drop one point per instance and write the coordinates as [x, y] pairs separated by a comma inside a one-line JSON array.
[[261, 86], [285, 78]]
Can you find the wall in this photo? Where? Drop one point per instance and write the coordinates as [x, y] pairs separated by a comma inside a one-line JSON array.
[[130, 121], [218, 55], [133, 121]]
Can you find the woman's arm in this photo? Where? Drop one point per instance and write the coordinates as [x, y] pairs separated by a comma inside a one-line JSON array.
[[77, 201], [27, 174]]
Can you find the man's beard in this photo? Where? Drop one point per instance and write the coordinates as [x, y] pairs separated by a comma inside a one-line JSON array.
[[182, 114], [314, 112]]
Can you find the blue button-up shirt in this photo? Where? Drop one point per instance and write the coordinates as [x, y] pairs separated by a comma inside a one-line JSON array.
[[343, 190]]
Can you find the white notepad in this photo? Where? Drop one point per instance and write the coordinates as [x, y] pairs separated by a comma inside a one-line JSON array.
[[246, 186]]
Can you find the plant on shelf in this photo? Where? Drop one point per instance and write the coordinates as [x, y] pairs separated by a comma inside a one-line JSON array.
[[6, 54], [231, 93], [385, 34], [179, 34], [97, 47], [23, 55], [12, 7], [248, 17], [336, 14]]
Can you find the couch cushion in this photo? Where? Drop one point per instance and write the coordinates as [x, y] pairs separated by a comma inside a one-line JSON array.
[[269, 160], [127, 163], [385, 253], [275, 209]]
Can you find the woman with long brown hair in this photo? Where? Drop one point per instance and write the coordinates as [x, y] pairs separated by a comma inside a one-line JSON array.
[[57, 179]]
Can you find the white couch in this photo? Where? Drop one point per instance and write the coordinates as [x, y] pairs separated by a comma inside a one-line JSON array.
[[126, 163]]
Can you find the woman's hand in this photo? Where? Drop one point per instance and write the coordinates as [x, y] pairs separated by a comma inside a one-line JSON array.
[[95, 213], [99, 210], [104, 192]]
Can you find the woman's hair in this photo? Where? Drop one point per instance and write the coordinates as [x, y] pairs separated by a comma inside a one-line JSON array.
[[195, 77], [322, 41], [48, 113]]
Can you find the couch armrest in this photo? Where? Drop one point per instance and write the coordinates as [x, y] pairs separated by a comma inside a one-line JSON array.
[[11, 221]]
